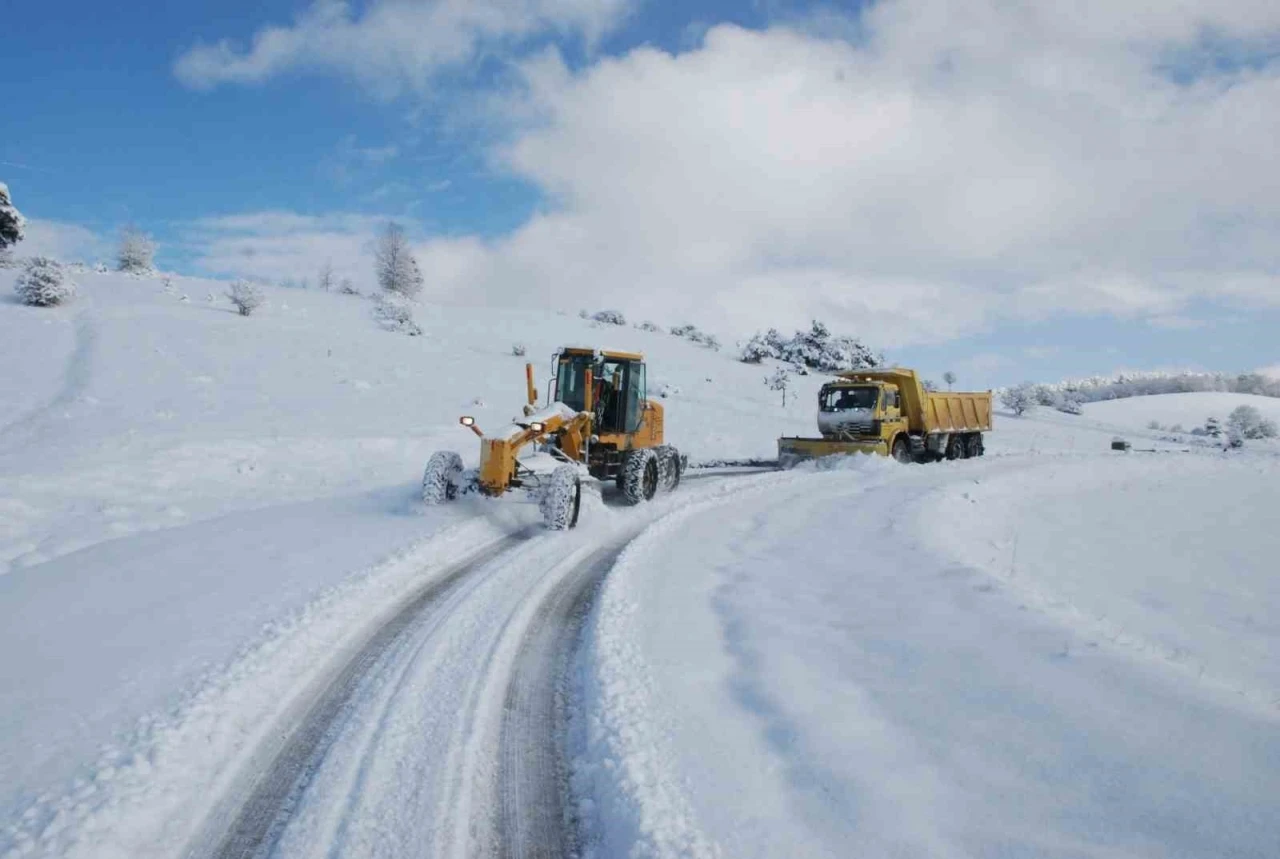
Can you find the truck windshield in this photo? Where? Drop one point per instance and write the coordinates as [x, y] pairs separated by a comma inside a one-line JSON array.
[[845, 399]]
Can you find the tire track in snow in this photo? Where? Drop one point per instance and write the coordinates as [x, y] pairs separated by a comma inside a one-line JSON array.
[[75, 381], [536, 816], [259, 821]]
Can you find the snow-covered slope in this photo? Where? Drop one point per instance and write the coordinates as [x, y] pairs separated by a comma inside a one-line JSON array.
[[1188, 410], [197, 510]]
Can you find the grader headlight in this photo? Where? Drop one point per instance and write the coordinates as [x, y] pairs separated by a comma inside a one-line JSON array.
[[467, 421], [537, 426]]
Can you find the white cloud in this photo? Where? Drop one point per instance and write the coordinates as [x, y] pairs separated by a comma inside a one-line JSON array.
[[947, 166], [63, 241], [280, 246], [958, 164], [1272, 372], [394, 45]]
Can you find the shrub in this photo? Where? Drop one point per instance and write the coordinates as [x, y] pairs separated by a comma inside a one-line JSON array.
[[395, 314], [247, 297], [519, 350], [44, 284], [609, 317], [1248, 423], [649, 326]]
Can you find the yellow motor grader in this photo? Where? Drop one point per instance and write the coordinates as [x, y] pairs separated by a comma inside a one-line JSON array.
[[597, 424]]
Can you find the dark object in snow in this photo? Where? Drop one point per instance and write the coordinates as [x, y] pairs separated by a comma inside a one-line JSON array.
[[1120, 444]]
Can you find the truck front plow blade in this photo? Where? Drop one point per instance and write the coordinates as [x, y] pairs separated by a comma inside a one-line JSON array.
[[792, 451]]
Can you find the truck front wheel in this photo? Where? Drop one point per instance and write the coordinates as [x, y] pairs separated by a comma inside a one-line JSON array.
[[901, 449]]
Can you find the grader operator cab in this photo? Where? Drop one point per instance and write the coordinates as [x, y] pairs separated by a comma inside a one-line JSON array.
[[597, 424]]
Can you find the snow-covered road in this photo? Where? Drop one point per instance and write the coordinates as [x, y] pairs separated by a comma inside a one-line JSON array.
[[817, 675]]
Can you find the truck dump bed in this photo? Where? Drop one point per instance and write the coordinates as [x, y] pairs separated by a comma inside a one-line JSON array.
[[957, 412]]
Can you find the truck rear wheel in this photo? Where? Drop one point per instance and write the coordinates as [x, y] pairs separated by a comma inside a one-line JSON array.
[[901, 449], [973, 445], [640, 475], [956, 447]]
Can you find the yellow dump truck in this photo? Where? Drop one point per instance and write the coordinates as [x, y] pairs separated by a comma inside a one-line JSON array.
[[889, 412]]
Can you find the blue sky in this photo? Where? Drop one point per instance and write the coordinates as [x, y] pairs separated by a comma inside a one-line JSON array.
[[1010, 195]]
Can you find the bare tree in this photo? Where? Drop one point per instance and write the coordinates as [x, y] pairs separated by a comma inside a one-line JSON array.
[[325, 280], [1019, 399], [246, 296], [394, 265], [950, 378]]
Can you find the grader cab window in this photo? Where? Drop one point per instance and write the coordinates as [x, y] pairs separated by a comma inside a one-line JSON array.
[[571, 381], [619, 395]]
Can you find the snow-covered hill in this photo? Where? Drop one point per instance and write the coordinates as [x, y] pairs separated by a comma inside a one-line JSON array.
[[198, 509]]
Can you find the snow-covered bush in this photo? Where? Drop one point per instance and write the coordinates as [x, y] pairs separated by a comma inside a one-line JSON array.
[[1019, 399], [649, 326], [395, 313], [1248, 423], [394, 264], [137, 251], [347, 287], [582, 314], [929, 384], [247, 297], [1069, 403], [609, 317], [668, 390], [1213, 428], [44, 284], [519, 350], [757, 349], [12, 224]]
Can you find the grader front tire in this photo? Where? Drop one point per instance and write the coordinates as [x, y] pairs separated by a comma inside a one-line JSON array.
[[442, 478], [561, 499]]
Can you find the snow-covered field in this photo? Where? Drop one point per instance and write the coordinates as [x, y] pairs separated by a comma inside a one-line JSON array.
[[1054, 651]]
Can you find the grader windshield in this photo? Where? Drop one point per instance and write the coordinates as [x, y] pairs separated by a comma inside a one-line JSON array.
[[619, 389]]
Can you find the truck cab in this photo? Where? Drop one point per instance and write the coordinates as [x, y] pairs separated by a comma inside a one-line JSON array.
[[858, 410]]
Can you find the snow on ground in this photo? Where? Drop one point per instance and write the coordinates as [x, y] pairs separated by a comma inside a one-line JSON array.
[[199, 510], [853, 665], [176, 481]]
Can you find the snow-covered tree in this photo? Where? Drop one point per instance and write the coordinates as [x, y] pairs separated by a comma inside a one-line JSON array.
[[137, 251], [246, 296], [779, 381], [1019, 399], [1213, 428], [12, 224], [43, 283], [929, 384], [950, 378], [325, 279], [814, 349], [649, 326], [1248, 423], [347, 287], [397, 271], [519, 350]]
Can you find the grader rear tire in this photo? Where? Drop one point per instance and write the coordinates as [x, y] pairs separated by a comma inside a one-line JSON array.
[[640, 476]]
